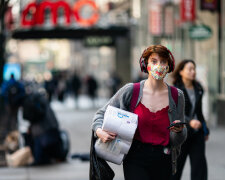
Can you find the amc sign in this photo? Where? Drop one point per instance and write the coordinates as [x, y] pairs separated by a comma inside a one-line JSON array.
[[34, 13]]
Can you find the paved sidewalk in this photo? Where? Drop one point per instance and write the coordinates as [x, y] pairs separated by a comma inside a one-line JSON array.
[[77, 123]]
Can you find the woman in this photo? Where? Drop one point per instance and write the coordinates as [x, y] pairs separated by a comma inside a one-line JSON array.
[[154, 146], [194, 146]]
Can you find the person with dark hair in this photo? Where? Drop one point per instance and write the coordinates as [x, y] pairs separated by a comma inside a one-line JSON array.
[[13, 91], [114, 83], [92, 87], [155, 146], [76, 87], [43, 136], [194, 146], [49, 85], [13, 94]]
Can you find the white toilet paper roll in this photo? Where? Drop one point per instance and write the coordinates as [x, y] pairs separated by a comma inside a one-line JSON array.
[[126, 131], [125, 146]]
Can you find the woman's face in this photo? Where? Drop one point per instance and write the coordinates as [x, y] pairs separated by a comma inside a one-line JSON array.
[[188, 72], [157, 66]]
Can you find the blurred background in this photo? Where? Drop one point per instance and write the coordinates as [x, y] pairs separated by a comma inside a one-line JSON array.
[[75, 54]]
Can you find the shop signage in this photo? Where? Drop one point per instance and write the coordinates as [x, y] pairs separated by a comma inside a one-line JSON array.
[[187, 10], [96, 41], [8, 19], [211, 5], [34, 13], [168, 20], [155, 19], [200, 32]]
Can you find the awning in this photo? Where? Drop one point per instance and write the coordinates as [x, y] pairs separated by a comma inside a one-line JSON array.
[[69, 33]]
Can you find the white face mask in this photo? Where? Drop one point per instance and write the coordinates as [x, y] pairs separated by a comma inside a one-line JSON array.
[[158, 72]]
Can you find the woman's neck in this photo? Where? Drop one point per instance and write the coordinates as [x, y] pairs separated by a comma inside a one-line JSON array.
[[155, 85], [187, 83]]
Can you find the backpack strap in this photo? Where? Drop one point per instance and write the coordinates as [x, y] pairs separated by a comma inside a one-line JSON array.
[[135, 94], [174, 93]]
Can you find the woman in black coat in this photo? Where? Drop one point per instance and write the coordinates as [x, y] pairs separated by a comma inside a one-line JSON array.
[[194, 146]]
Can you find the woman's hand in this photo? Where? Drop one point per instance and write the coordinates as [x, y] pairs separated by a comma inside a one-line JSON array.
[[105, 136], [195, 124], [177, 129]]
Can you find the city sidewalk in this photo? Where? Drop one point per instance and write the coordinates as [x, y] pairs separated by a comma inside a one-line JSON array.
[[77, 123]]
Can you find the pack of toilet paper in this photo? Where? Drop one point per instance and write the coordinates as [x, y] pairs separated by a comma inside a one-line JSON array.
[[124, 124]]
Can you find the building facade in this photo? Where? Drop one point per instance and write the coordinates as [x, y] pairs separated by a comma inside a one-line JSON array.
[[189, 28]]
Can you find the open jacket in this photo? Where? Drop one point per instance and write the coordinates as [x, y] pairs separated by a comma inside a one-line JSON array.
[[197, 109], [176, 112]]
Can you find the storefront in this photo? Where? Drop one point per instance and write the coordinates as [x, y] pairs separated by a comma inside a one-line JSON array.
[[159, 22], [86, 36]]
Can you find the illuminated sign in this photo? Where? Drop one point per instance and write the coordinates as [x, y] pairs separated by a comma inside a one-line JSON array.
[[96, 41], [34, 13], [155, 18], [11, 68]]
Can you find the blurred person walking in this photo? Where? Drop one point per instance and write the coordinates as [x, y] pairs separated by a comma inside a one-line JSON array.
[[76, 87], [49, 85], [92, 87], [13, 93], [61, 87], [194, 146], [155, 147], [114, 83]]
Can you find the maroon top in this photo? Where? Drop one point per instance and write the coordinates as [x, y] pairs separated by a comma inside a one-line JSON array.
[[152, 126]]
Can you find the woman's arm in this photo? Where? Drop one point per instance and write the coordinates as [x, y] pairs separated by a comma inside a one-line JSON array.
[[120, 100]]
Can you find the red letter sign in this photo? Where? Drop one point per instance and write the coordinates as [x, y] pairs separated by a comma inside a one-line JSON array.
[[187, 10], [86, 22], [38, 12], [31, 8]]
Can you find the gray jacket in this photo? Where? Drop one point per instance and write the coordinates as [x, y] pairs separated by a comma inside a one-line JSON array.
[[122, 100]]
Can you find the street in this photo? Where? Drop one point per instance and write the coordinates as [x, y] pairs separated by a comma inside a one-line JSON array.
[[81, 52], [77, 123]]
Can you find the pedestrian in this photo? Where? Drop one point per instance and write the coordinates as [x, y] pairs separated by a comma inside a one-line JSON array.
[[13, 94], [49, 85], [114, 83], [194, 146], [76, 87], [61, 87], [92, 87], [154, 148]]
